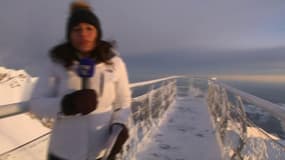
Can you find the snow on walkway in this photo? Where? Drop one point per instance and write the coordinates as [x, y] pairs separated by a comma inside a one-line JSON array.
[[185, 133], [18, 130]]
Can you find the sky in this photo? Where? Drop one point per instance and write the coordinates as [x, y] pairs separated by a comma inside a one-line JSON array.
[[157, 36]]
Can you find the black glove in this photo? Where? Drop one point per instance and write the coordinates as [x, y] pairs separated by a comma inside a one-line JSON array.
[[122, 138], [82, 101]]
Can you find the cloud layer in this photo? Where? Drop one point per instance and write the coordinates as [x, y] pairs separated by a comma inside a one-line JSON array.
[[209, 34]]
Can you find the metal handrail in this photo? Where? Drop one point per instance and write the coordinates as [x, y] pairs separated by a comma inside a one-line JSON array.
[[274, 109], [13, 109], [229, 118], [22, 107], [138, 84]]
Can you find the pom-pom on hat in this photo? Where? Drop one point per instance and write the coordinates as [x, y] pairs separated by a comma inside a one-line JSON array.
[[81, 12]]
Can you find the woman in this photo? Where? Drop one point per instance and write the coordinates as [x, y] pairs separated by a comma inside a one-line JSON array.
[[84, 117]]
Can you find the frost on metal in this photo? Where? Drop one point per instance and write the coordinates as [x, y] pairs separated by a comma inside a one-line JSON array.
[[239, 138], [147, 111]]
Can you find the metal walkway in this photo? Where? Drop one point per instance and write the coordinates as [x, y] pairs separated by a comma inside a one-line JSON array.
[[185, 133]]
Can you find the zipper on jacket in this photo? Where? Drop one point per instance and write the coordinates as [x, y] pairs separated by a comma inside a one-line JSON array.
[[101, 84]]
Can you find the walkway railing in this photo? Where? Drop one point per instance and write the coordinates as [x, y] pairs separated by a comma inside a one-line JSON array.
[[238, 136], [150, 100], [147, 110]]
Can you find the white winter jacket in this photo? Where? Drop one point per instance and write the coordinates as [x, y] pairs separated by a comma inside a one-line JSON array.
[[82, 137]]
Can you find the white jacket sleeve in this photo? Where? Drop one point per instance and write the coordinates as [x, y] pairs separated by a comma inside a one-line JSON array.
[[122, 103], [45, 102]]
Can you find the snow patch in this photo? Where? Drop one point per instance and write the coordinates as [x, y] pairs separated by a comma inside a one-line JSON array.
[[18, 130], [15, 85]]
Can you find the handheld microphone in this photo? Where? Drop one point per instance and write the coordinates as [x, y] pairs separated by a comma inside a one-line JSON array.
[[86, 71]]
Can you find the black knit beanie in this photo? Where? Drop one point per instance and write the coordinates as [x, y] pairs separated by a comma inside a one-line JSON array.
[[82, 14]]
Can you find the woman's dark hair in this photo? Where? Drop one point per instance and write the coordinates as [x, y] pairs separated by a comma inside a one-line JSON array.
[[65, 54]]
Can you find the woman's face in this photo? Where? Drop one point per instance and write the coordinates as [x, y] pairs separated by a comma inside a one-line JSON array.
[[83, 37]]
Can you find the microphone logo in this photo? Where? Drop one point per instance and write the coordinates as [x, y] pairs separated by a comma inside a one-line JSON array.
[[86, 68]]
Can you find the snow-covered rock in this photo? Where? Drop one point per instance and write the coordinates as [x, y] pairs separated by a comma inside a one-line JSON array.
[[15, 86]]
